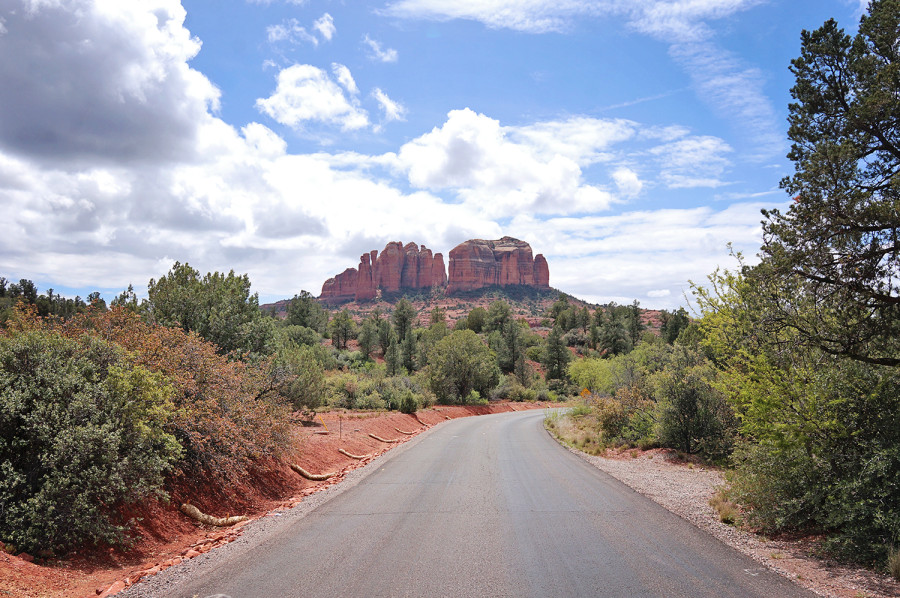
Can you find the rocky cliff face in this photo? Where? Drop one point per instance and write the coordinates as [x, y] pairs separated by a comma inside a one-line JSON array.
[[398, 267], [479, 263], [473, 265]]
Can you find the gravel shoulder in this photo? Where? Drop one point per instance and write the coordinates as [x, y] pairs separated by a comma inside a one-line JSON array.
[[685, 490]]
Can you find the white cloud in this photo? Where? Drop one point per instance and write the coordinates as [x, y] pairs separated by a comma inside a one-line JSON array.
[[693, 162], [307, 94], [733, 89], [582, 139], [619, 257], [290, 31], [325, 26], [144, 102], [392, 110], [379, 53], [627, 181], [501, 170], [345, 78], [533, 16]]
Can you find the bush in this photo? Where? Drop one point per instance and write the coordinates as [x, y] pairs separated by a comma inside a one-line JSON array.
[[513, 390], [223, 415], [459, 364], [82, 431], [694, 416], [627, 418]]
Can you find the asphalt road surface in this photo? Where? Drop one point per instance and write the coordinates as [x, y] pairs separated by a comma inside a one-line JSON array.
[[481, 506]]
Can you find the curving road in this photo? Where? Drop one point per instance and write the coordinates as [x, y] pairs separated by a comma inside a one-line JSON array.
[[481, 506]]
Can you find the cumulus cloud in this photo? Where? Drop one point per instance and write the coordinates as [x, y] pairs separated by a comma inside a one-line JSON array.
[[114, 81], [377, 52], [307, 94], [501, 170], [627, 181]]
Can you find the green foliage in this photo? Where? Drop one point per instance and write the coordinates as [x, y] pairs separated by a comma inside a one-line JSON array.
[[499, 315], [408, 351], [375, 389], [459, 364], [832, 259], [393, 357], [693, 415], [673, 323], [343, 329], [629, 417], [404, 317], [556, 356], [224, 412], [82, 431], [368, 337], [304, 310], [218, 307], [298, 374], [477, 319]]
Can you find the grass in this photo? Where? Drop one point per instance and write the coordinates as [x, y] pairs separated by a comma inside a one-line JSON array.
[[894, 563], [576, 428], [729, 513]]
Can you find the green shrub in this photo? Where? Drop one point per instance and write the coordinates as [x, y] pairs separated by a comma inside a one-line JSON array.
[[82, 431], [694, 416], [408, 403]]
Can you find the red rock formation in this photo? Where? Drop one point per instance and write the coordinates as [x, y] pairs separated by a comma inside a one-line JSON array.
[[340, 288], [398, 268], [541, 272], [507, 261], [389, 267], [473, 265], [365, 286], [438, 271]]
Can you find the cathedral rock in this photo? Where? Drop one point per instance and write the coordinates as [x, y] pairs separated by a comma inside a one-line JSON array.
[[507, 261], [473, 265], [399, 267]]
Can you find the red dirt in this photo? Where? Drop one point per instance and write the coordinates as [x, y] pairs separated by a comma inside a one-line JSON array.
[[166, 536]]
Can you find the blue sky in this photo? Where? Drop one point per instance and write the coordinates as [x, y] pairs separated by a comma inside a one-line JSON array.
[[629, 141]]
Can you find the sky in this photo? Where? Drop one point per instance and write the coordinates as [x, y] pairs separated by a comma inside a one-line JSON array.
[[629, 141]]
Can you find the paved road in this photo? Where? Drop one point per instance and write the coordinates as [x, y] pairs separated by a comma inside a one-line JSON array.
[[483, 506]]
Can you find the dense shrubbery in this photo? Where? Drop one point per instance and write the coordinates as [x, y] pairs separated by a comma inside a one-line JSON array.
[[83, 429]]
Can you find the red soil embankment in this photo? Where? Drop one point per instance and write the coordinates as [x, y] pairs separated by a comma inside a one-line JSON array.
[[168, 537]]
